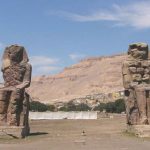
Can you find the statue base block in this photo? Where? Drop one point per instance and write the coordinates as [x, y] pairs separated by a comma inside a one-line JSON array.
[[14, 131], [139, 130]]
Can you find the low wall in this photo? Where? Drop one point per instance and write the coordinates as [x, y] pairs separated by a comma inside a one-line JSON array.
[[62, 115]]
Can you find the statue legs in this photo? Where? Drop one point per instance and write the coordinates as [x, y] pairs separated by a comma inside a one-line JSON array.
[[131, 107], [4, 101], [141, 97], [15, 107], [136, 106]]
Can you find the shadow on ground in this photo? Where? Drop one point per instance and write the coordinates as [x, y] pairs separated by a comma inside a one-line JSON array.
[[37, 133]]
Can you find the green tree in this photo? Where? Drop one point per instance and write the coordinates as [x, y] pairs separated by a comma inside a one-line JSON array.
[[120, 105], [70, 106], [112, 107], [37, 106], [50, 107], [40, 107], [100, 107], [82, 107]]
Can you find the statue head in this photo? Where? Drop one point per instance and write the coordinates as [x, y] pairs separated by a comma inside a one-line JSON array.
[[14, 54], [138, 51]]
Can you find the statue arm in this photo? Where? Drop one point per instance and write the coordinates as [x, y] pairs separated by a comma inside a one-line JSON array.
[[27, 78], [126, 76]]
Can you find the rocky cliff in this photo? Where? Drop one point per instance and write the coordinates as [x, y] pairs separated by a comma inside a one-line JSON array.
[[88, 77]]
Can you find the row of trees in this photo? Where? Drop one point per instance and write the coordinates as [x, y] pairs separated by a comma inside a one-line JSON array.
[[112, 107], [40, 107]]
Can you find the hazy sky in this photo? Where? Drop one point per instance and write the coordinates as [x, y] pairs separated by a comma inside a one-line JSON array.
[[57, 33]]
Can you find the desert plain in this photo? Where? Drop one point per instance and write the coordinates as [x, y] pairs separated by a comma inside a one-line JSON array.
[[101, 134]]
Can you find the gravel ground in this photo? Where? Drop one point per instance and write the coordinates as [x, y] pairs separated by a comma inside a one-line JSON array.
[[103, 134]]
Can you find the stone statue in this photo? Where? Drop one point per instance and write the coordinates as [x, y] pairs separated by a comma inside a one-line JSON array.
[[136, 80], [14, 101]]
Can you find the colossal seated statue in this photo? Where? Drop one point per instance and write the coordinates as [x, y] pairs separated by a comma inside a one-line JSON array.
[[14, 101], [136, 80]]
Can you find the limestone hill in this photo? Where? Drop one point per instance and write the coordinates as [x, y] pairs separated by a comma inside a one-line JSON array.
[[88, 77]]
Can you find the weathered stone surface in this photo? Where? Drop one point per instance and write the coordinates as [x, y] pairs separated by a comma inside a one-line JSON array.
[[14, 101], [136, 80], [14, 131]]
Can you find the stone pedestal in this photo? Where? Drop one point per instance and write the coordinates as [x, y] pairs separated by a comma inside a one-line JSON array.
[[139, 130], [14, 131]]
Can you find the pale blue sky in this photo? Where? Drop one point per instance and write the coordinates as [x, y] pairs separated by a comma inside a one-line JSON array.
[[58, 33]]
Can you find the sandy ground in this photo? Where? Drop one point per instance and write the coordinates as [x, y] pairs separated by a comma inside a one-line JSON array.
[[103, 134]]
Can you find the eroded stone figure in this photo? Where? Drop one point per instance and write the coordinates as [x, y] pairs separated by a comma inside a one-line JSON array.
[[14, 101], [136, 80]]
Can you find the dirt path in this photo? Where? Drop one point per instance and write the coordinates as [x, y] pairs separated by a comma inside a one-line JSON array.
[[104, 134]]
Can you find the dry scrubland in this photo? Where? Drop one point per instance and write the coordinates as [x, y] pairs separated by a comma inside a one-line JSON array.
[[103, 134]]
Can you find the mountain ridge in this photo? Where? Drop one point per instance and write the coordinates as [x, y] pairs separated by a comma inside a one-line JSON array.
[[89, 76]]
